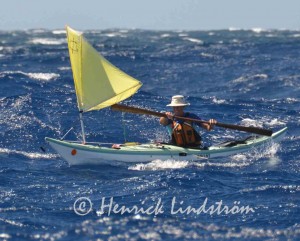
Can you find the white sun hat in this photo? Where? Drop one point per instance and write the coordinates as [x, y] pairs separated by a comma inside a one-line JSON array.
[[178, 100]]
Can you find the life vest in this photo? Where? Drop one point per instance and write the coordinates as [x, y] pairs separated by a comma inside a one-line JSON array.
[[184, 135]]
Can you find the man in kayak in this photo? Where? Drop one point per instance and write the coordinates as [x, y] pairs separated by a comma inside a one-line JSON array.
[[182, 132]]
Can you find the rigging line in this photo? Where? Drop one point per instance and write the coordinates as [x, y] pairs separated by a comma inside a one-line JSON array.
[[124, 129], [74, 122], [66, 133], [82, 126]]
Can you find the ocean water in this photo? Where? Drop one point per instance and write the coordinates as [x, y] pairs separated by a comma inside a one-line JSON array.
[[246, 77]]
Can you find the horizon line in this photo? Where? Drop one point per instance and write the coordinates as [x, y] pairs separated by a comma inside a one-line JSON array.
[[254, 29]]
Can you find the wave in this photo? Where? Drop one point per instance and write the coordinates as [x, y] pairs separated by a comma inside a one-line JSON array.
[[251, 122], [165, 35], [11, 222], [290, 188], [275, 122], [261, 122], [64, 68], [269, 150], [244, 79], [184, 229], [47, 41], [230, 164], [258, 30], [43, 76], [59, 31], [292, 100], [159, 165], [36, 76], [183, 35], [215, 100], [4, 236], [254, 30], [121, 34], [194, 40], [31, 155], [247, 159], [291, 81]]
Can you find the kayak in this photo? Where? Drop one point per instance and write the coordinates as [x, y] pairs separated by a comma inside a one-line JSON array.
[[83, 154]]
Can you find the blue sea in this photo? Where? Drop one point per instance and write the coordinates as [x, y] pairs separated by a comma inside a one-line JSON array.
[[243, 77]]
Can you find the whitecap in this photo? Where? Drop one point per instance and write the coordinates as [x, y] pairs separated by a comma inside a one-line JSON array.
[[194, 40], [261, 76], [5, 235], [38, 76], [111, 35], [291, 81], [59, 31], [251, 122], [249, 78], [50, 236], [206, 55], [239, 157], [275, 122], [272, 149], [43, 76], [160, 165], [31, 155], [115, 34], [218, 101], [11, 222], [274, 161], [269, 150], [236, 41], [165, 35], [257, 30], [291, 100], [231, 164], [48, 41], [150, 235], [64, 68]]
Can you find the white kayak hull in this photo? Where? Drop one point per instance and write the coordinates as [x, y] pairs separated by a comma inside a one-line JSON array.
[[80, 154]]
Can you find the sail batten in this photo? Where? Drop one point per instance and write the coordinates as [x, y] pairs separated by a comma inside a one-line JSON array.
[[98, 83]]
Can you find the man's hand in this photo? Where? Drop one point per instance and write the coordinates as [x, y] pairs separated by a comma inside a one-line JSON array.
[[170, 115], [212, 122]]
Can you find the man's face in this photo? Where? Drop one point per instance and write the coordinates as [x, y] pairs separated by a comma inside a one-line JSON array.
[[178, 110]]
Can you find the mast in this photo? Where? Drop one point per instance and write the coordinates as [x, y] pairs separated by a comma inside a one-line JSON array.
[[82, 126]]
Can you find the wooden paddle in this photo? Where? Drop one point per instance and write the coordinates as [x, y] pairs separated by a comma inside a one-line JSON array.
[[136, 110]]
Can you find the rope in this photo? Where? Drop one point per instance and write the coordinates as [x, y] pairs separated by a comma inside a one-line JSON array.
[[124, 129]]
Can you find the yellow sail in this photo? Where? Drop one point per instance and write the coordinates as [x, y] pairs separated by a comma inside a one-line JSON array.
[[98, 83]]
